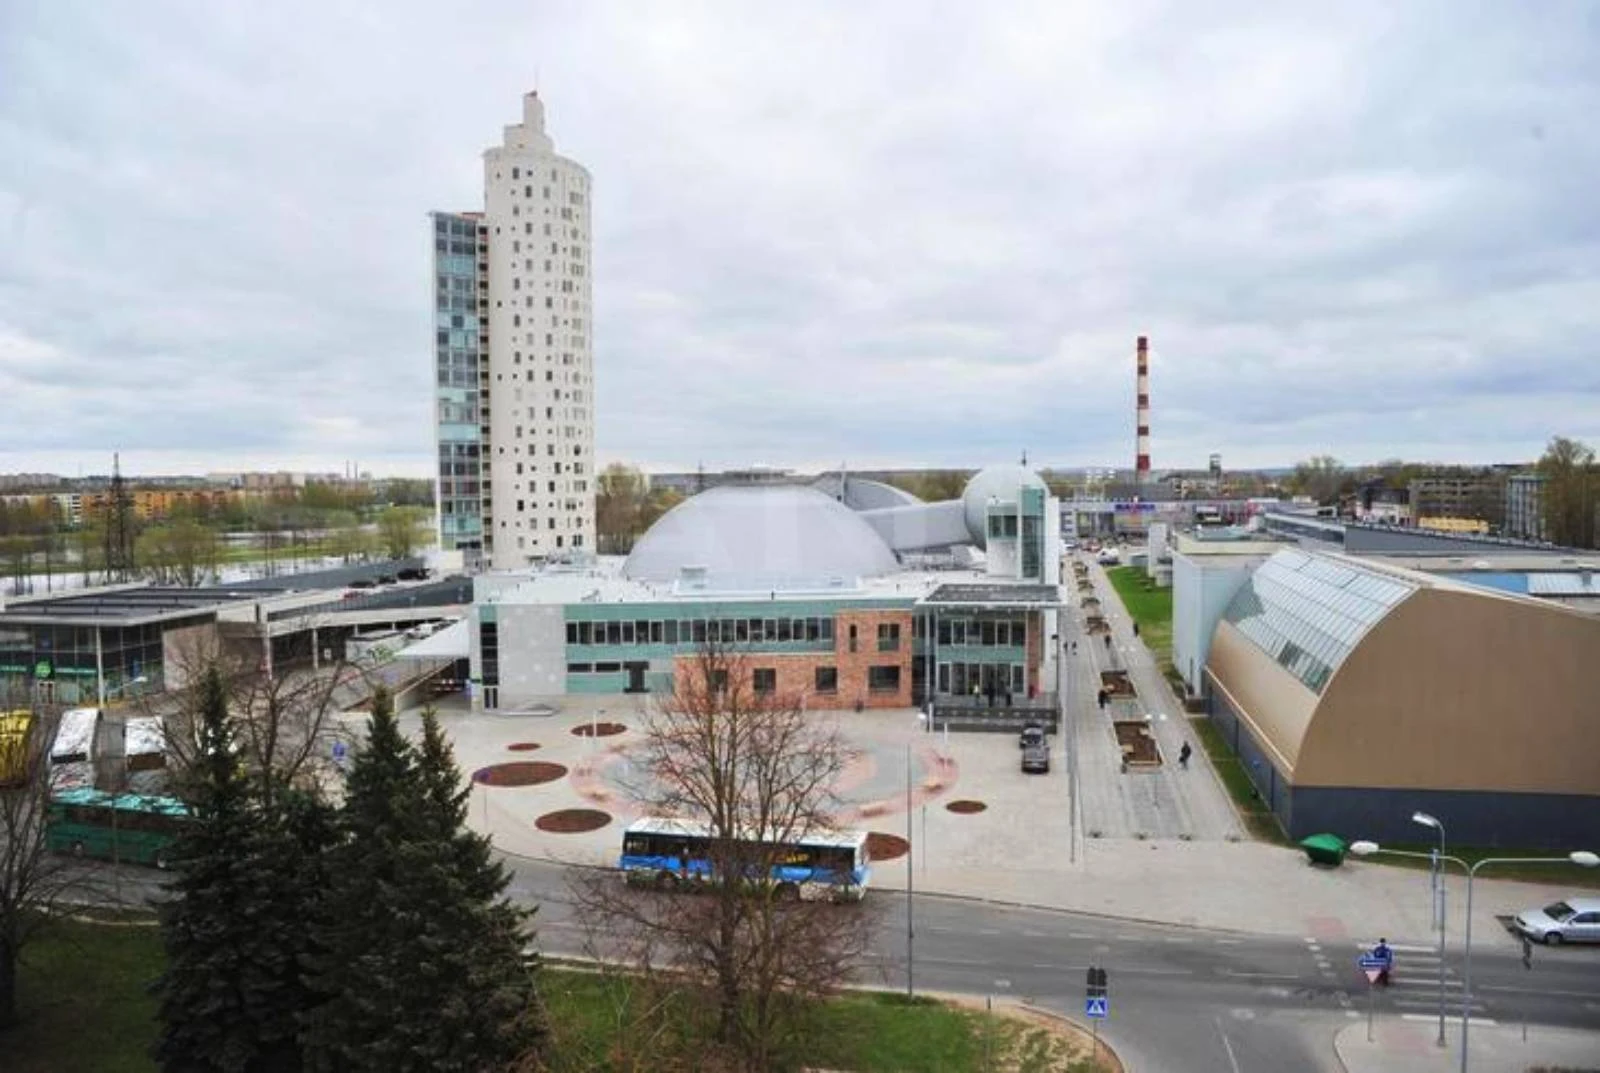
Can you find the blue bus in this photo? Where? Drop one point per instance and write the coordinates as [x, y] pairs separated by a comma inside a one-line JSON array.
[[670, 854]]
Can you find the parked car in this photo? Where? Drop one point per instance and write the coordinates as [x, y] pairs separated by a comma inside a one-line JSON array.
[[1036, 760], [1032, 734], [1575, 920]]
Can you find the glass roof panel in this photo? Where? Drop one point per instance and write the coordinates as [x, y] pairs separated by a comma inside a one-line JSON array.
[[1309, 613]]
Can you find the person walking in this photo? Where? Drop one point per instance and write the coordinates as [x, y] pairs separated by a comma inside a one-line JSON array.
[[1108, 640], [1136, 627], [1074, 648], [1183, 756]]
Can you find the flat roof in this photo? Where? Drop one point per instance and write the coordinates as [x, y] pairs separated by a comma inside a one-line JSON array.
[[994, 594], [602, 583], [121, 607]]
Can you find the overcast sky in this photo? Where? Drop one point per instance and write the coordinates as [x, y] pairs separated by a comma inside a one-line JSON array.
[[884, 234]]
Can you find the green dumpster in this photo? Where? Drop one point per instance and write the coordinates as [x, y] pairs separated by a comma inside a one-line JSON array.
[[1325, 849]]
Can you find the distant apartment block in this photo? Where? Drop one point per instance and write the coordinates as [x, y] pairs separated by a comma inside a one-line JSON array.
[[1525, 506], [1475, 494], [513, 358]]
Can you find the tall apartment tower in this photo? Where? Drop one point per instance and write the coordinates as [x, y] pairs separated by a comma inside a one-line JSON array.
[[514, 411]]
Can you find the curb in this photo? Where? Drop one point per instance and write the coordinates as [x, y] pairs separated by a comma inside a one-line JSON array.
[[978, 899]]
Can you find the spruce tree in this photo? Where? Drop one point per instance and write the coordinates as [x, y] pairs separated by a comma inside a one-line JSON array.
[[420, 960], [232, 997]]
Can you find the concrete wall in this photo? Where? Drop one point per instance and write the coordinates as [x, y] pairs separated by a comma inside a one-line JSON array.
[[1201, 591], [533, 653]]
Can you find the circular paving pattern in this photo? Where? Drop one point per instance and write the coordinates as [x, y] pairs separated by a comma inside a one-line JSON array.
[[572, 821], [884, 847], [598, 730], [522, 773], [966, 807], [523, 746]]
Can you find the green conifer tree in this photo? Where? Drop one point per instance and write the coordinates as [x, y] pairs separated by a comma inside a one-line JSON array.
[[420, 961], [233, 995]]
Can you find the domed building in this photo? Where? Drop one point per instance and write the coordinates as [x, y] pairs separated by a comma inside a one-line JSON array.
[[760, 536], [806, 583]]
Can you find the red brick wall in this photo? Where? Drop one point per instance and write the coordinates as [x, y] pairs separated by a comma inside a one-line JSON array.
[[796, 671]]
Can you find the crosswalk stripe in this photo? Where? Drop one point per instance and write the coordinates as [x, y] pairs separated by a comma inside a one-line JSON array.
[[1424, 1017], [1405, 948]]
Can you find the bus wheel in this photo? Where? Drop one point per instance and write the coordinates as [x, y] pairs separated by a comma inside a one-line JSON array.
[[161, 861], [788, 892], [666, 881], [77, 849]]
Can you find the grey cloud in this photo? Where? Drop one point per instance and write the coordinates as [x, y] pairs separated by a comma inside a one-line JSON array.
[[903, 233]]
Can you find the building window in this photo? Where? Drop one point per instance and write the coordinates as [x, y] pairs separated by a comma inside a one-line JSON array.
[[827, 679], [719, 681], [764, 680], [888, 637], [852, 637], [883, 679]]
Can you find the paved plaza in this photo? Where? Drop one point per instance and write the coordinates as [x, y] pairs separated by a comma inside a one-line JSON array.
[[1162, 844]]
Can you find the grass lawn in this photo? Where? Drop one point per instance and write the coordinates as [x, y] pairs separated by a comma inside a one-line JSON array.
[[86, 1008], [1258, 819], [593, 1019], [84, 1001], [1149, 605]]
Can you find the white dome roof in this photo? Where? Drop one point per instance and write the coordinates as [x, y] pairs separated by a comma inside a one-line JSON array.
[[759, 536], [1004, 483]]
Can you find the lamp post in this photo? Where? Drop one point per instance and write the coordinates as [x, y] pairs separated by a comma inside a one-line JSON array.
[[1427, 820], [1581, 858]]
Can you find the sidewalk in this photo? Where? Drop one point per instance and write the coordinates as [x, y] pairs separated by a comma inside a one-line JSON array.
[[1410, 1047]]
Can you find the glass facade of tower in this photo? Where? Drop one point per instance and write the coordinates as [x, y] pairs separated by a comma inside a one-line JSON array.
[[461, 410]]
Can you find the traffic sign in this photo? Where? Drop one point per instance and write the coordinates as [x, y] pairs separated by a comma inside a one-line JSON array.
[[1097, 982], [1372, 975], [1097, 1006], [1372, 961]]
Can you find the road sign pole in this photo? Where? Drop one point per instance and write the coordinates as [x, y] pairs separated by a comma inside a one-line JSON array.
[[1371, 998]]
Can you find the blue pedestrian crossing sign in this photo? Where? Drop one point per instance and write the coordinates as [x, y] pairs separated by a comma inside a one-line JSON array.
[[1372, 961], [1097, 1006]]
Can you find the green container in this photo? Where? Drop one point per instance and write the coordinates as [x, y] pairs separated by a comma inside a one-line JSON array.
[[1325, 849]]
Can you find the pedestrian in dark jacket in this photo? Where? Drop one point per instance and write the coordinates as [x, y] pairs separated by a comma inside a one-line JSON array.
[[1183, 756]]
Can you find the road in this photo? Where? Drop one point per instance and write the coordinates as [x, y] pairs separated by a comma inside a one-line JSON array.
[[1182, 999]]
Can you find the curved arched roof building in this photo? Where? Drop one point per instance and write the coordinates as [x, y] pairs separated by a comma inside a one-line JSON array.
[[761, 536], [1357, 694]]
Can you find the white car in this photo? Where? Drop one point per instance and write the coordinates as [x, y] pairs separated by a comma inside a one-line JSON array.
[[1108, 557], [1575, 920]]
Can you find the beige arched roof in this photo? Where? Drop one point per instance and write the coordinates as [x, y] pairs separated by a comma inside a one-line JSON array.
[[1459, 689], [1448, 688]]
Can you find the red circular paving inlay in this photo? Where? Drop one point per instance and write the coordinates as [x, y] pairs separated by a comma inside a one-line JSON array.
[[598, 730], [572, 821], [966, 808], [522, 773], [885, 847], [523, 746]]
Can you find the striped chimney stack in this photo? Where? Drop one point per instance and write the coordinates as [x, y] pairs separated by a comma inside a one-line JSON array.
[[1141, 461]]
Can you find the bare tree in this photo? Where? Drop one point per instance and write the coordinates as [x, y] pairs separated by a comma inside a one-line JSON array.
[[286, 719], [33, 881], [758, 770]]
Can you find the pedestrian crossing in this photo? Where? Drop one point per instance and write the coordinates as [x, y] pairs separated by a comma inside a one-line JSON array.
[[1413, 989]]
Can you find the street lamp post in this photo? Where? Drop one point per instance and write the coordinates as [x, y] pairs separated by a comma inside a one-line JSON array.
[[1581, 858], [1426, 820]]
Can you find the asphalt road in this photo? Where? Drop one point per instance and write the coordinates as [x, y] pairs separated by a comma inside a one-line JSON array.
[[1183, 1000]]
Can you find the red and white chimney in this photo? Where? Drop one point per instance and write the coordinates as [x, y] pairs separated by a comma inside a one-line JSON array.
[[1141, 458]]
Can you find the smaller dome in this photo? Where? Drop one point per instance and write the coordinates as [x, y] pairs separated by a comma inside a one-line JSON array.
[[1004, 483]]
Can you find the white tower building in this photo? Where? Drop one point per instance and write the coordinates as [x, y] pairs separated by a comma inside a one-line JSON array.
[[536, 388]]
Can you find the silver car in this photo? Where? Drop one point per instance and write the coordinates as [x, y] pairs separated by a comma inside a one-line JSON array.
[[1575, 920]]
